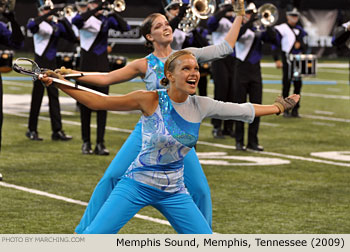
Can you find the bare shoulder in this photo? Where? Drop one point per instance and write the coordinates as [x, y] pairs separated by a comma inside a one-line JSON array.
[[148, 101], [147, 95], [140, 65]]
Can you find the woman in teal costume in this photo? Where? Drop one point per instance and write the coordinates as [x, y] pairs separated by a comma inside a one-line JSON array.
[[158, 34], [170, 125]]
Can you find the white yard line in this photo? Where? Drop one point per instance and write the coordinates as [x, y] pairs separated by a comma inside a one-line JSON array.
[[327, 96], [73, 201], [164, 222], [223, 145], [278, 154]]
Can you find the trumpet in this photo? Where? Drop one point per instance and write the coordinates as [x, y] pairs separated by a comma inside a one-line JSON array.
[[198, 9], [267, 15], [203, 8], [67, 11], [117, 6]]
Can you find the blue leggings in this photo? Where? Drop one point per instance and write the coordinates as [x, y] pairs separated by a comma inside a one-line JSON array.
[[129, 196], [194, 178]]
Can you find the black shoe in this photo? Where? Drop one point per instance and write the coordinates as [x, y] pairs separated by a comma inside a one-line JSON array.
[[86, 148], [100, 149], [286, 113], [295, 113], [240, 147], [217, 133], [60, 135], [230, 133], [255, 147], [33, 135]]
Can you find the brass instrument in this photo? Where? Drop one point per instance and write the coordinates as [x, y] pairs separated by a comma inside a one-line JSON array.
[[117, 6], [67, 11], [189, 21], [267, 15], [7, 5], [197, 10], [203, 8]]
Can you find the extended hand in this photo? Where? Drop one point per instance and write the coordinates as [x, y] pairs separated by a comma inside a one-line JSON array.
[[64, 71], [239, 7], [286, 103], [46, 77]]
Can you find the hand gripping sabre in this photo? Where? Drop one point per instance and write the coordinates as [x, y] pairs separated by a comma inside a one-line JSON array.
[[29, 67]]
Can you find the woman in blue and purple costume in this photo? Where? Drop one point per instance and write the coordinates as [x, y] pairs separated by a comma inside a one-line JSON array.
[[170, 126], [159, 35]]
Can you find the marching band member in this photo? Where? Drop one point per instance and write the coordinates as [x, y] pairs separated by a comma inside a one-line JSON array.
[[13, 39], [175, 13], [248, 80], [47, 33], [93, 27], [222, 69], [290, 38]]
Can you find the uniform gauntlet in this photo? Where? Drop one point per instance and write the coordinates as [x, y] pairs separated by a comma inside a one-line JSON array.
[[64, 71], [238, 7], [284, 104]]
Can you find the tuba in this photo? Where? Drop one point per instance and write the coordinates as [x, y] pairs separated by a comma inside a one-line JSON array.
[[267, 15], [7, 5]]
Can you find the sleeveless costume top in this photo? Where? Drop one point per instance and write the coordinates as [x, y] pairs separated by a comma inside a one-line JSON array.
[[166, 139]]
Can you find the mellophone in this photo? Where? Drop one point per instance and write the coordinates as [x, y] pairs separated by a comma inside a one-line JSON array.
[[6, 57], [302, 65]]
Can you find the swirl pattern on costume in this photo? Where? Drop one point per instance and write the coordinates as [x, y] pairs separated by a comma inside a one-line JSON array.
[[165, 142]]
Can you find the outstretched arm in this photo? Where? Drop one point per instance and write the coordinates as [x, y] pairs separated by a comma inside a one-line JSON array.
[[232, 34], [221, 50], [146, 101], [137, 68], [278, 107]]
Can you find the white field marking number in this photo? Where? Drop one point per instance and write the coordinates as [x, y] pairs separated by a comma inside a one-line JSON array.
[[222, 159], [333, 155]]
